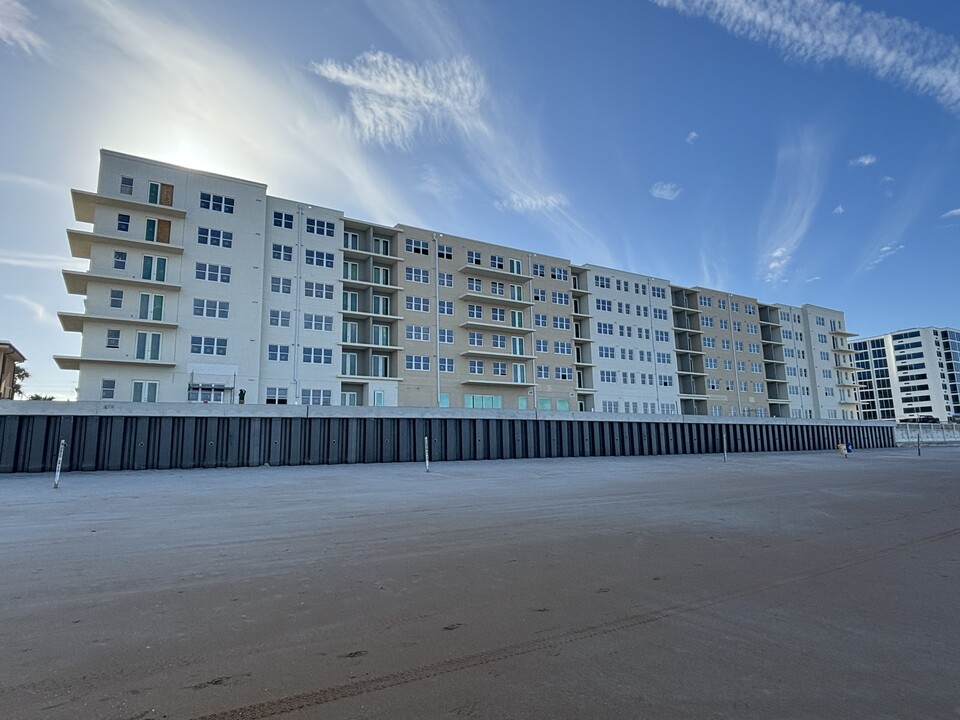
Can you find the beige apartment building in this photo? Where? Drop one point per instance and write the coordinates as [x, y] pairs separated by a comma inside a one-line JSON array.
[[203, 288]]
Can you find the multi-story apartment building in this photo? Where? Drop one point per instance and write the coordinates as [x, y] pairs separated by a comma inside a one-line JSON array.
[[204, 288], [10, 357], [909, 374]]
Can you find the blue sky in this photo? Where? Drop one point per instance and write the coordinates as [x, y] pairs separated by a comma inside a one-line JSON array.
[[794, 150]]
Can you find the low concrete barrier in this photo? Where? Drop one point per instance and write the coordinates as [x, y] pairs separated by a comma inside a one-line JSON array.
[[929, 433], [134, 436]]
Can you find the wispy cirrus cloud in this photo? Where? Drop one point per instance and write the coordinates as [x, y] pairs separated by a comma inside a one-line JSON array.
[[813, 279], [531, 203], [886, 179], [790, 206], [14, 27], [393, 99], [951, 213], [838, 210], [893, 49], [692, 137], [863, 161], [40, 261], [665, 190], [37, 311]]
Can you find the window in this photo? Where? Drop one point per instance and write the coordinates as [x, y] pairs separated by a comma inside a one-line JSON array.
[[606, 351], [561, 323], [319, 259], [119, 260], [381, 334], [496, 288], [217, 203], [157, 231], [751, 328], [282, 252], [608, 376], [820, 321], [562, 348], [706, 301], [539, 320], [563, 373], [821, 338], [314, 397], [749, 309], [418, 275], [319, 227], [559, 273], [444, 280], [113, 338], [664, 358], [658, 292], [755, 367], [445, 336], [724, 324], [348, 365], [445, 307], [280, 285], [116, 298], [123, 222], [710, 363], [278, 353], [497, 314], [351, 270], [538, 269], [446, 364], [476, 367], [381, 275], [148, 346], [208, 345], [160, 194], [709, 342], [541, 346], [539, 295], [418, 304], [707, 321], [214, 273], [496, 262], [126, 188], [516, 267], [211, 308], [154, 268], [601, 281], [560, 298], [351, 240], [418, 332], [499, 341], [418, 247], [665, 380], [151, 307], [108, 389], [475, 311], [660, 314], [543, 372], [604, 305], [758, 387], [474, 285], [324, 291], [217, 238], [418, 362], [318, 356], [734, 306], [445, 252], [276, 396], [605, 328], [280, 318], [499, 368], [519, 373], [283, 220], [661, 335], [476, 339], [473, 258], [144, 391]]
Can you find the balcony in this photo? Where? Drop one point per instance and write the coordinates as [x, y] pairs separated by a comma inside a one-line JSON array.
[[497, 273], [81, 242], [498, 327], [494, 355], [496, 300], [66, 362], [85, 204], [504, 382], [73, 322], [77, 281], [377, 257]]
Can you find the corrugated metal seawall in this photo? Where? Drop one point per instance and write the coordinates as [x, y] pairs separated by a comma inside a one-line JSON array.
[[29, 442]]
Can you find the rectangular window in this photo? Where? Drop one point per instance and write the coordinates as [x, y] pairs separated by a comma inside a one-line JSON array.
[[212, 236], [123, 222], [278, 353], [417, 362], [280, 318], [445, 307], [319, 259], [497, 314], [282, 252], [543, 372], [211, 308], [119, 260], [116, 298], [157, 231], [283, 220], [214, 273], [324, 291], [417, 304], [154, 268], [445, 279], [496, 288], [539, 320], [315, 397], [144, 391], [160, 194], [318, 356], [108, 389], [418, 332], [205, 393], [562, 348], [280, 285], [473, 258], [276, 396], [126, 188], [476, 367], [560, 298], [319, 227], [563, 373], [516, 267], [418, 247], [351, 240], [499, 341], [559, 273], [539, 270], [499, 368], [151, 307], [417, 275], [217, 203], [446, 336], [496, 262], [208, 345], [446, 364], [475, 311], [113, 338], [318, 322], [148, 346], [445, 252], [476, 339], [542, 346], [474, 285]]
